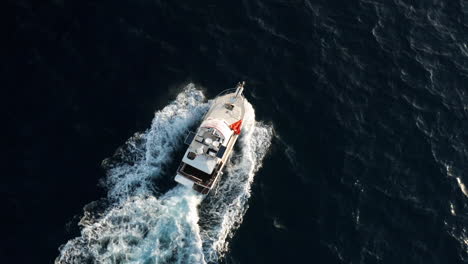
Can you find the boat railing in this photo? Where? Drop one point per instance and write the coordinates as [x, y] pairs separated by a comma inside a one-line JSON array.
[[231, 90], [227, 91]]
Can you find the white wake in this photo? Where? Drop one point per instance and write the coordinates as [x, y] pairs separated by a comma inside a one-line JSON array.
[[143, 225]]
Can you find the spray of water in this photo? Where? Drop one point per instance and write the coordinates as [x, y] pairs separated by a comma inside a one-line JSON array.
[[143, 225]]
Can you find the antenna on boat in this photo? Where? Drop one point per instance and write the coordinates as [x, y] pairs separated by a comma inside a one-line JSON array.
[[240, 88]]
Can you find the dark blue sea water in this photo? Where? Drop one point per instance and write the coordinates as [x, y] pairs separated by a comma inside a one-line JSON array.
[[359, 152]]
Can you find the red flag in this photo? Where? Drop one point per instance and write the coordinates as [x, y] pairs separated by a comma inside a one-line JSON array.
[[236, 127]]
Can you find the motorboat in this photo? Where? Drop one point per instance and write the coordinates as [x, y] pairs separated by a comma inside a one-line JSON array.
[[211, 145]]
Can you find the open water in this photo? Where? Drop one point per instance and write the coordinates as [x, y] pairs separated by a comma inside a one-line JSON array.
[[354, 149]]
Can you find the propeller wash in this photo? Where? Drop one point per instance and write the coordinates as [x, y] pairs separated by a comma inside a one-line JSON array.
[[141, 223]]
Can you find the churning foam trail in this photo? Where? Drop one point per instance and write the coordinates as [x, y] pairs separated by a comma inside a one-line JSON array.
[[141, 225], [145, 156]]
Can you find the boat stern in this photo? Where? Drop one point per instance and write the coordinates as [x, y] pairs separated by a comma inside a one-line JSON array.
[[184, 181]]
